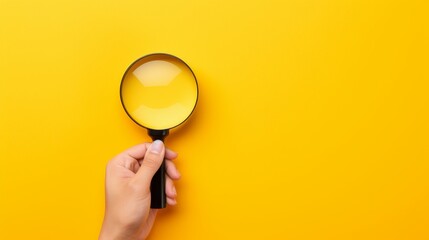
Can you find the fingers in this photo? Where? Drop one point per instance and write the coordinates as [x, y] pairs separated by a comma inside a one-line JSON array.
[[170, 154], [171, 201], [172, 174], [128, 157], [170, 191], [171, 170], [150, 157], [151, 163], [139, 151]]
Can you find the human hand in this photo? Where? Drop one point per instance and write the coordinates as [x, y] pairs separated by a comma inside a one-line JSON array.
[[128, 176]]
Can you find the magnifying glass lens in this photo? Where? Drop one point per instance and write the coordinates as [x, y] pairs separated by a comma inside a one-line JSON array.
[[159, 92]]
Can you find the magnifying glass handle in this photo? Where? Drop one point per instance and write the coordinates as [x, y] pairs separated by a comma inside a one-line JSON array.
[[157, 186]]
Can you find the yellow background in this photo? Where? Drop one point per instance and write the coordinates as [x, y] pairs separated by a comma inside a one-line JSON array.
[[313, 118]]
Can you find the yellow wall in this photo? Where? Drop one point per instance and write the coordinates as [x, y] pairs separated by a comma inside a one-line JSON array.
[[313, 120]]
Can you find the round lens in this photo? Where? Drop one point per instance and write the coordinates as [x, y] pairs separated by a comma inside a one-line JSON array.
[[159, 91]]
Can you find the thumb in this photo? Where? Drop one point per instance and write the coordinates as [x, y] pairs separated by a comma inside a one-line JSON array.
[[151, 163]]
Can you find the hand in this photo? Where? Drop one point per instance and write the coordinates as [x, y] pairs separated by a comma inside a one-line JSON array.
[[128, 176]]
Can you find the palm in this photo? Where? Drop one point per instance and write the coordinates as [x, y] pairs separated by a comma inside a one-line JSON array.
[[147, 225]]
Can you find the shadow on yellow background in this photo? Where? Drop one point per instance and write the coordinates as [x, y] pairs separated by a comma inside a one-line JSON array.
[[312, 121]]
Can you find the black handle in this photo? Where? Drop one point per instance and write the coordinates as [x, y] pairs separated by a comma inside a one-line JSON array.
[[157, 186]]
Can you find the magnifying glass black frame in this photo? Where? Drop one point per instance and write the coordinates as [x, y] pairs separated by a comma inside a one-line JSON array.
[[157, 185]]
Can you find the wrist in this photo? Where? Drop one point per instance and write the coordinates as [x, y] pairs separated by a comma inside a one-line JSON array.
[[108, 233], [115, 232]]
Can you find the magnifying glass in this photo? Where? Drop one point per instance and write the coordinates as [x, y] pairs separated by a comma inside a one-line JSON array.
[[158, 92]]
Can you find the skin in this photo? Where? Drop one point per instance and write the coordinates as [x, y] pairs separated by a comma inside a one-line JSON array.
[[128, 176]]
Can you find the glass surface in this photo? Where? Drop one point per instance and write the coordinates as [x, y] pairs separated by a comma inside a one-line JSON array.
[[159, 91]]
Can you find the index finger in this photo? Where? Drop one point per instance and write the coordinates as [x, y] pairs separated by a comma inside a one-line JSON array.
[[138, 152]]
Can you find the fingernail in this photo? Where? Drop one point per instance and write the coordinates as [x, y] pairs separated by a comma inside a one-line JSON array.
[[174, 191], [156, 146]]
